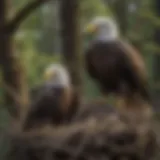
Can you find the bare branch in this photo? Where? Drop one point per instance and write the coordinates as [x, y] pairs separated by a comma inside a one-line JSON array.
[[12, 26]]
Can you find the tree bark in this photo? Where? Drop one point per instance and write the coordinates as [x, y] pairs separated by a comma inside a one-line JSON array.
[[71, 41], [13, 25], [11, 68], [16, 96]]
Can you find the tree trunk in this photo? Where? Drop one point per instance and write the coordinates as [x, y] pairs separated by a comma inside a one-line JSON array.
[[11, 69], [156, 59], [16, 95], [156, 63], [71, 41]]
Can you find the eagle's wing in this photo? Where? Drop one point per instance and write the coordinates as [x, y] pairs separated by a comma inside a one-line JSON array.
[[136, 60], [135, 69]]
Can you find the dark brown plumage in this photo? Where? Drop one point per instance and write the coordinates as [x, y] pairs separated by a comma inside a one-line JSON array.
[[116, 69]]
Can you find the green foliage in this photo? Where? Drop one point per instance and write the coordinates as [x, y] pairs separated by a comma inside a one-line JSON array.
[[92, 8], [35, 63], [91, 90]]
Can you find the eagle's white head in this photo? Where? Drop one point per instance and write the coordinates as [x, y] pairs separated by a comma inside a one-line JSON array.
[[57, 74], [103, 28]]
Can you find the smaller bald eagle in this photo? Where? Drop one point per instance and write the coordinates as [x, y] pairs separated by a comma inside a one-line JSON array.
[[55, 101], [113, 62]]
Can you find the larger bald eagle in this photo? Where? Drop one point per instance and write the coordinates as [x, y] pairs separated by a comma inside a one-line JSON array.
[[114, 63], [55, 101]]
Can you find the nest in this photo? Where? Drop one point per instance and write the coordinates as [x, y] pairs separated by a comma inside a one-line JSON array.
[[110, 138]]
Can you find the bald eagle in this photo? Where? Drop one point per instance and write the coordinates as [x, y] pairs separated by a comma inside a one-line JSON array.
[[113, 62], [55, 101]]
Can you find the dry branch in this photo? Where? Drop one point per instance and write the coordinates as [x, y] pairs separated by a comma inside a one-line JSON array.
[[23, 14], [71, 42]]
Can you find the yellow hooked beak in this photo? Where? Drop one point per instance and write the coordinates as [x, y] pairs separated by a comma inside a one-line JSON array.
[[90, 28], [49, 75]]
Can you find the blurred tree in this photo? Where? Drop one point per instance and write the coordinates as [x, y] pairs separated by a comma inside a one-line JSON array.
[[71, 41], [157, 41], [12, 71]]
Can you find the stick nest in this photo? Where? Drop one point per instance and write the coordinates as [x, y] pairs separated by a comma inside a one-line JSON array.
[[110, 138]]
